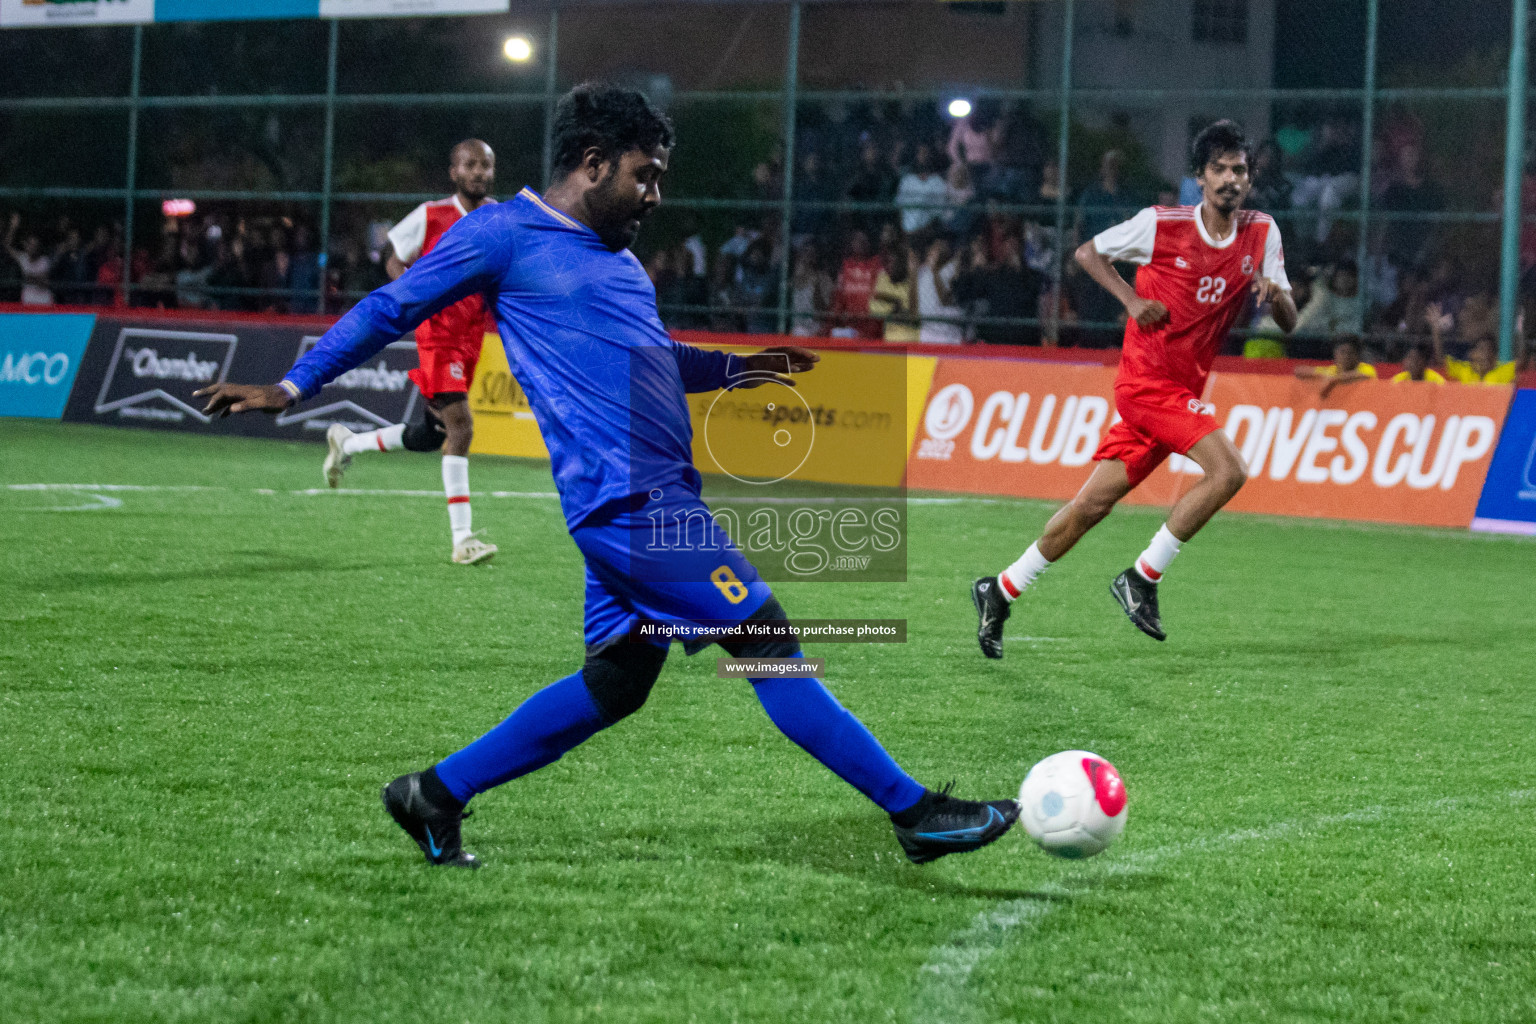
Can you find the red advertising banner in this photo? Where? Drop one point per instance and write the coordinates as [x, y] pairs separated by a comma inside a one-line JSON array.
[[1019, 428], [1373, 450], [1405, 453]]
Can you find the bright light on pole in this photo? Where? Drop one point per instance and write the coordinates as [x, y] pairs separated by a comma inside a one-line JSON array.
[[959, 108], [517, 48]]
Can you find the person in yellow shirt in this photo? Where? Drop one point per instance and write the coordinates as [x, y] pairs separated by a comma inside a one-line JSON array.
[[892, 297], [1416, 368], [1481, 366], [1346, 365]]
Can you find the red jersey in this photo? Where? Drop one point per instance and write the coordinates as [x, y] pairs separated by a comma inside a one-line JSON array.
[[465, 323], [850, 300], [1203, 282]]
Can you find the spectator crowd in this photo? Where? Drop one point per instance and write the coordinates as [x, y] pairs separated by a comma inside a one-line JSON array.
[[213, 262], [916, 229], [906, 226]]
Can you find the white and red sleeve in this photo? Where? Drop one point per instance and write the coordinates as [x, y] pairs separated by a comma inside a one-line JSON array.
[[410, 235], [1274, 257], [1131, 240]]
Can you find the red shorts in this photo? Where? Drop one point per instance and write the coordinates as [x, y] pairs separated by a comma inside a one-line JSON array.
[[445, 368], [1156, 420]]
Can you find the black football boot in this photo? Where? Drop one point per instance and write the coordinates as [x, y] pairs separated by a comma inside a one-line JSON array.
[[1138, 596]]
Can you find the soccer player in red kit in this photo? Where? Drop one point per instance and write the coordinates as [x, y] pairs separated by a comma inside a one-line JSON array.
[[447, 349], [1196, 266]]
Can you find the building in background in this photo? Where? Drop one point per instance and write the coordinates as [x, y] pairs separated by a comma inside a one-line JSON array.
[[1163, 44]]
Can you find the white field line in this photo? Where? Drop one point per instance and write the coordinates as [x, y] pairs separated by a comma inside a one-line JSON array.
[[313, 492], [952, 501], [94, 499], [776, 500], [305, 493], [1296, 522], [107, 487], [942, 996], [360, 492], [1279, 521]]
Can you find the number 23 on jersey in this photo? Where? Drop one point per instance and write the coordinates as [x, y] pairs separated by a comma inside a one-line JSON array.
[[1211, 289]]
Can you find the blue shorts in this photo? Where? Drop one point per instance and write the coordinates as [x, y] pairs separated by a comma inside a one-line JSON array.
[[663, 560]]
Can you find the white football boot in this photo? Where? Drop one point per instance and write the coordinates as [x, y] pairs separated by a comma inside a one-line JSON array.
[[473, 550], [336, 460]]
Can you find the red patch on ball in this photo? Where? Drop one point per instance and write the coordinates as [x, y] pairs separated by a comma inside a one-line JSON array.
[[1108, 789]]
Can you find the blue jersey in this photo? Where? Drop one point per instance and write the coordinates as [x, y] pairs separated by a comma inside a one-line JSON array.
[[606, 383]]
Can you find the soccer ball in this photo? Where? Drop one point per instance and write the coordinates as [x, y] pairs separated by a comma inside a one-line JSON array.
[[1073, 804]]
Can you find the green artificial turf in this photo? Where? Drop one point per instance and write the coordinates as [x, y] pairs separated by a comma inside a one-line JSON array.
[[1330, 766]]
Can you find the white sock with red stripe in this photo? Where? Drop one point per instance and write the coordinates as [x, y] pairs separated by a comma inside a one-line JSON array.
[[1159, 555], [1012, 580], [386, 440], [456, 486]]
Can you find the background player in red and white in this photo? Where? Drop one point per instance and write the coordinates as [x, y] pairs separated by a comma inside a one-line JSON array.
[[1196, 267], [447, 349]]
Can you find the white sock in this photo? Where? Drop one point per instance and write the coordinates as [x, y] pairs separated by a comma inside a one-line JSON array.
[[1159, 555], [1012, 580], [386, 440], [456, 486]]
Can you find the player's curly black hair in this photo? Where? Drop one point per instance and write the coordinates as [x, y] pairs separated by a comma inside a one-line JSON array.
[[1218, 138], [610, 117]]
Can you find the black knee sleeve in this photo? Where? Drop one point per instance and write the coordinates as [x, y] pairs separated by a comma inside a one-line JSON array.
[[785, 647], [426, 434], [620, 676]]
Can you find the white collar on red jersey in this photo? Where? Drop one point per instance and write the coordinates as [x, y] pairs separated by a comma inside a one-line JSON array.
[[1205, 235]]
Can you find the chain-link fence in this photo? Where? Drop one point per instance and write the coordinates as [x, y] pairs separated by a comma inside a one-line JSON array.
[[907, 170]]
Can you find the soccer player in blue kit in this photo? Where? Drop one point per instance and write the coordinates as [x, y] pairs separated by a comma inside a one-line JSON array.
[[607, 385]]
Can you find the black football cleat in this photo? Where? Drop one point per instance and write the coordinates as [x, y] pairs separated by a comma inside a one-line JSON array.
[[992, 610], [942, 824], [1138, 596], [435, 828]]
